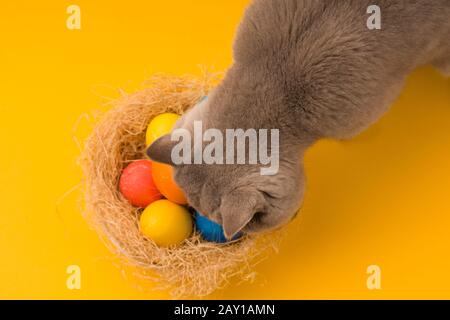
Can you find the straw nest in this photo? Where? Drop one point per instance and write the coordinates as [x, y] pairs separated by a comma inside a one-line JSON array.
[[194, 268]]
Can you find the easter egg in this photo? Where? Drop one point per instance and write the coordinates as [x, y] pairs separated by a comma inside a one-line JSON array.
[[136, 184], [210, 230], [166, 223], [160, 125], [163, 178]]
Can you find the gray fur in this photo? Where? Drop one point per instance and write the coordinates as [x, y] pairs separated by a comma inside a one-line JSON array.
[[313, 70]]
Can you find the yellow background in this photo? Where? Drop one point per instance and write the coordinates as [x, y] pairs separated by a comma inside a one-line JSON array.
[[382, 198]]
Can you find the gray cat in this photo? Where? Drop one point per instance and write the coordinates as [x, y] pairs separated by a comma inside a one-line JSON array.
[[314, 70]]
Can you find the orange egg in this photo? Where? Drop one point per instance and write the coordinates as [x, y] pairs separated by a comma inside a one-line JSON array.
[[163, 178]]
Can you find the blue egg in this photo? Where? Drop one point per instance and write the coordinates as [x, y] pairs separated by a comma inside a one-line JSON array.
[[210, 230]]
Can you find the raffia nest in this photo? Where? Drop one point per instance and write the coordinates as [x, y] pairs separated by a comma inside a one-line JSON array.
[[194, 268]]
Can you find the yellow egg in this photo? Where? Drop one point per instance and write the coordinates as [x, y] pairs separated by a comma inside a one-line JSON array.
[[166, 223], [160, 125]]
